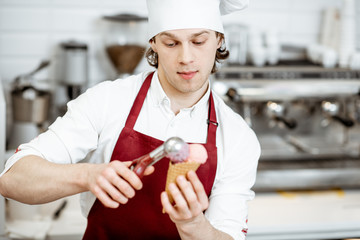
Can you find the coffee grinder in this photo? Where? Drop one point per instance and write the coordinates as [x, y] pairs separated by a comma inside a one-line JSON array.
[[72, 74], [125, 41], [75, 60]]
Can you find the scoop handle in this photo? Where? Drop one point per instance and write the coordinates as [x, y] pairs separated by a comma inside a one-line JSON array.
[[140, 164]]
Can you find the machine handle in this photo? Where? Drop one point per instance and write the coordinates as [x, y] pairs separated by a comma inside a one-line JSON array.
[[290, 123], [346, 122], [233, 95]]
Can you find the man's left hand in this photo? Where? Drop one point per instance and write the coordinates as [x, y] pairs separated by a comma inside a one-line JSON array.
[[190, 199]]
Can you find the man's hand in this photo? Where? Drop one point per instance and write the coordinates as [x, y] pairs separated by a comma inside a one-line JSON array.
[[187, 213], [190, 199], [114, 183]]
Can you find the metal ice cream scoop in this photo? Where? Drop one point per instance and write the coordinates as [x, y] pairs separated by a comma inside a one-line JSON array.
[[174, 148]]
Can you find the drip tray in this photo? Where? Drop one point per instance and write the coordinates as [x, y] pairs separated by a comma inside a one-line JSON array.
[[306, 179], [300, 147]]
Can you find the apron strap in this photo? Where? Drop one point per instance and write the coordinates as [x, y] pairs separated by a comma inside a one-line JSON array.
[[139, 100], [212, 122]]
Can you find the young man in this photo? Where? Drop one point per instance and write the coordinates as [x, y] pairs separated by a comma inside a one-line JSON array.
[[116, 122]]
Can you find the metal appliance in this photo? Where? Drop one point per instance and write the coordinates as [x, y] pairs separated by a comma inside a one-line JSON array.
[[307, 119], [30, 107], [75, 60], [72, 74]]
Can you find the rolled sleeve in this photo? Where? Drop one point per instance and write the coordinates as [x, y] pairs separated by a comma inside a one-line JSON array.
[[229, 220], [228, 209]]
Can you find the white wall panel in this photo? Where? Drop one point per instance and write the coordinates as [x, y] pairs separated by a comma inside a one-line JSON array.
[[304, 24], [357, 5], [132, 4], [313, 5], [24, 44], [28, 19], [75, 20], [74, 3], [31, 30], [270, 5], [12, 67], [270, 20], [24, 2]]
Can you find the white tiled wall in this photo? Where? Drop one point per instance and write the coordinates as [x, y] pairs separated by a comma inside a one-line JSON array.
[[31, 30]]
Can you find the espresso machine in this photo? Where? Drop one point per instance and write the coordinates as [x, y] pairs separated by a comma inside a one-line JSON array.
[[30, 101], [307, 120]]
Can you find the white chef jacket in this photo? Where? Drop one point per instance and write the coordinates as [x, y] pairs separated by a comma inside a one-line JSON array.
[[89, 130]]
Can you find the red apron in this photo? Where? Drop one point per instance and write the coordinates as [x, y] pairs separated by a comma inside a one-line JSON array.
[[142, 217]]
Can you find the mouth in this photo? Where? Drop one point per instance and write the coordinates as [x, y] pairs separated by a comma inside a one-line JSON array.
[[187, 75]]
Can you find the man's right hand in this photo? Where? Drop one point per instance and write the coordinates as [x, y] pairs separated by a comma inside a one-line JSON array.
[[114, 183]]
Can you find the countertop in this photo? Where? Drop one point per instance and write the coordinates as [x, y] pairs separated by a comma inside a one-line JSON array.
[[298, 215], [272, 216]]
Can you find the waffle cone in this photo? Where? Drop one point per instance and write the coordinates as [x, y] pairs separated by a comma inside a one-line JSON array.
[[177, 170]]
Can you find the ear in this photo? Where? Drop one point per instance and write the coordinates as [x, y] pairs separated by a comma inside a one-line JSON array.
[[219, 44], [220, 41], [153, 45]]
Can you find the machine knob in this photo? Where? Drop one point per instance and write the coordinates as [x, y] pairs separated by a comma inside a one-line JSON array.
[[277, 111], [332, 110]]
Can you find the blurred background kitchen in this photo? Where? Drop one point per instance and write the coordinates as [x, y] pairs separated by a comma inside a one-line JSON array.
[[293, 74]]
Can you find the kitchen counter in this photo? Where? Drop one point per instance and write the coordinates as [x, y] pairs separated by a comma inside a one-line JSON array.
[[71, 224], [272, 216], [305, 215], [298, 215]]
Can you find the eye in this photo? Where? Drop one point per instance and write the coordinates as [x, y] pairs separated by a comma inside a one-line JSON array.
[[170, 44], [199, 42]]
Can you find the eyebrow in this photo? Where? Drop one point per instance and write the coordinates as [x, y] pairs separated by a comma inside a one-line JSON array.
[[192, 36]]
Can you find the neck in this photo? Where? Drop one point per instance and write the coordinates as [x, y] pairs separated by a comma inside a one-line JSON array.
[[180, 100], [178, 103]]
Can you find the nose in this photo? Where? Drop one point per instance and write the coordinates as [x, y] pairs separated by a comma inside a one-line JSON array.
[[186, 55]]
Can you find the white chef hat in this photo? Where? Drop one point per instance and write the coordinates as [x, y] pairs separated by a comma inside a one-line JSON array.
[[167, 15]]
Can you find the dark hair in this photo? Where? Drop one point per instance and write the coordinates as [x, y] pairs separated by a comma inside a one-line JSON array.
[[221, 53]]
